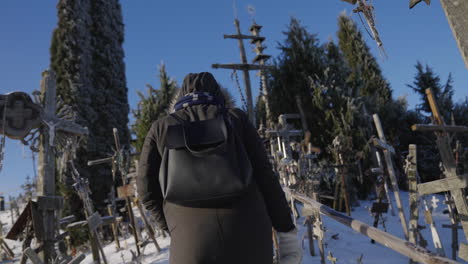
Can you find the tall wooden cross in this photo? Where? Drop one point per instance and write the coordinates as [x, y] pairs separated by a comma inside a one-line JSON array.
[[388, 150], [453, 182], [22, 115], [244, 66]]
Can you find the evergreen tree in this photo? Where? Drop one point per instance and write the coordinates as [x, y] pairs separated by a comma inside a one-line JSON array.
[[365, 71], [87, 55], [152, 107], [301, 57], [426, 78]]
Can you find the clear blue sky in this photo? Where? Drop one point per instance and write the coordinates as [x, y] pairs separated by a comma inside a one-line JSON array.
[[188, 36]]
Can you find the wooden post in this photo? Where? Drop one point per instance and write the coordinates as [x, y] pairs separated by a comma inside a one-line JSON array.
[[127, 198], [344, 190], [148, 225], [387, 193], [111, 212], [413, 194], [454, 225], [310, 234], [319, 231], [46, 176], [275, 245], [245, 67], [391, 173], [261, 58], [248, 88]]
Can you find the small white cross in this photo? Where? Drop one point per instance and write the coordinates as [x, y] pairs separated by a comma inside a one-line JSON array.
[[435, 202]]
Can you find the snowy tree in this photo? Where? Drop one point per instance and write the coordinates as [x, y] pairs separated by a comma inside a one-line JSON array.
[[365, 70]]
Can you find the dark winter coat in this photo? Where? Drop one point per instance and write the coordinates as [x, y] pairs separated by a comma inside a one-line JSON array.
[[240, 233]]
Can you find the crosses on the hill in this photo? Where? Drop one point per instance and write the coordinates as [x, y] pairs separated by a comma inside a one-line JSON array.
[[453, 182]]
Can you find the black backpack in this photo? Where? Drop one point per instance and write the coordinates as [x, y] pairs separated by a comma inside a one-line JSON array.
[[204, 163]]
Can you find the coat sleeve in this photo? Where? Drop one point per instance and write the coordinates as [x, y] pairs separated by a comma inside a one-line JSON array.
[[148, 187], [267, 181]]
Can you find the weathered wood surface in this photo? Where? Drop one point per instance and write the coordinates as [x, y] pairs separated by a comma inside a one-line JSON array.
[[454, 224], [456, 11], [382, 145], [392, 175], [32, 256], [20, 223], [434, 128], [411, 173], [399, 245], [443, 185]]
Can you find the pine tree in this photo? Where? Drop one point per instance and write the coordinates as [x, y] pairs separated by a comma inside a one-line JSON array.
[[87, 55], [152, 107], [301, 57], [426, 78], [365, 71]]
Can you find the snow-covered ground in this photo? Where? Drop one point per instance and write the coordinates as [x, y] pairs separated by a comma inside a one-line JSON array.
[[347, 247]]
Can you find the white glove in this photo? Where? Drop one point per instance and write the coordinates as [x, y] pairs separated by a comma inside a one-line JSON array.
[[290, 251]]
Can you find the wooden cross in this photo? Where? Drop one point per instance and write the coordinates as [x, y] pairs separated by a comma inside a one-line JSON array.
[[391, 173], [46, 178], [331, 258], [452, 182], [244, 66], [435, 234], [93, 220], [125, 191]]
